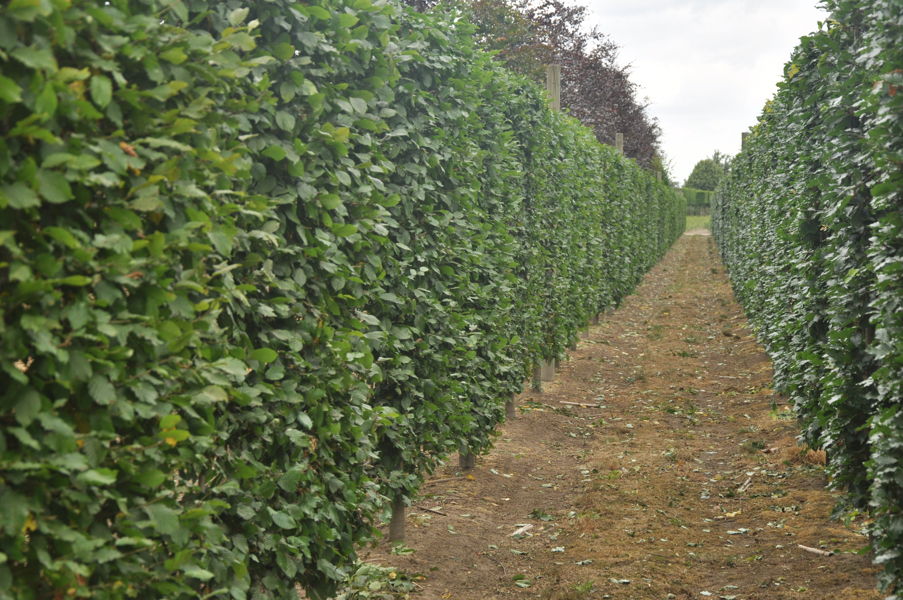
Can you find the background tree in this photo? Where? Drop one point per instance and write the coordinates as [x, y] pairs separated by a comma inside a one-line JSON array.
[[529, 34], [708, 172]]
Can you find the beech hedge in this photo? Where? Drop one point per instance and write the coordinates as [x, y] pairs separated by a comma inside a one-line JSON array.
[[263, 265], [810, 224]]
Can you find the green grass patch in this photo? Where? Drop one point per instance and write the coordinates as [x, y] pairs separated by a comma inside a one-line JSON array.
[[704, 222]]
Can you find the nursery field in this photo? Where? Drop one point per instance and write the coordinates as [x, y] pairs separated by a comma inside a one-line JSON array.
[[660, 464]]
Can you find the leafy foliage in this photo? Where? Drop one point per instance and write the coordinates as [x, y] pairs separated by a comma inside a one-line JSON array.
[[528, 35], [708, 173], [810, 224], [262, 265], [699, 202]]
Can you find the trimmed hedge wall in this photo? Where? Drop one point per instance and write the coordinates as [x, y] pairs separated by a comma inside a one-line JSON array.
[[810, 224], [699, 202], [262, 266]]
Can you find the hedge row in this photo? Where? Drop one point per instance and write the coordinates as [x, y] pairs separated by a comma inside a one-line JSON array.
[[262, 266], [810, 224], [699, 202]]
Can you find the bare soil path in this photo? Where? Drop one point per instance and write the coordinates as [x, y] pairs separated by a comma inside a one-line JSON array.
[[659, 465]]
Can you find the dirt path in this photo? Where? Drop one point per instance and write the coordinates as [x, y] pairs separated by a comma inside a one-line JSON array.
[[677, 477]]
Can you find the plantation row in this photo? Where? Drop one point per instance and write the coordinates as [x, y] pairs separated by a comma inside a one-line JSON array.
[[810, 224], [262, 266]]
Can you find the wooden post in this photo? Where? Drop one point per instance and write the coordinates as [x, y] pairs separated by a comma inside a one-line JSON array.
[[396, 525], [547, 371], [553, 85], [537, 378], [619, 142], [510, 412], [466, 459]]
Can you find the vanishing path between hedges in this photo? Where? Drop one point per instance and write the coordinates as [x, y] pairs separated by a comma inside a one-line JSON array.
[[660, 464]]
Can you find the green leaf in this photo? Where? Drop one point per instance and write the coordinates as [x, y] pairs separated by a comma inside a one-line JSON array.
[[281, 519], [29, 10], [344, 230], [15, 512], [283, 51], [318, 12], [19, 196], [46, 102], [28, 407], [35, 58], [101, 90], [232, 366], [347, 21], [100, 477], [62, 236], [164, 519], [264, 355], [174, 55], [197, 573], [101, 390], [76, 280], [238, 16], [213, 393], [330, 201], [275, 152], [170, 421], [289, 481], [285, 121], [53, 187], [10, 91], [151, 478], [359, 104]]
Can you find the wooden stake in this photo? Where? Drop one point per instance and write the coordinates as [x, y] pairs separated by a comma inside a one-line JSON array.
[[553, 85], [547, 370], [396, 525], [510, 412], [537, 378], [466, 460]]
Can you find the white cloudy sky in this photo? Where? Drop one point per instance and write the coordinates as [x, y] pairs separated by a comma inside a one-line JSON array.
[[706, 66]]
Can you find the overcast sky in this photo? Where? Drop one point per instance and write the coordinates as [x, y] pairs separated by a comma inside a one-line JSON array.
[[706, 66]]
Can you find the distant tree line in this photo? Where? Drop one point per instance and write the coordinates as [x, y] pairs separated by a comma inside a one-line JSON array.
[[529, 34], [708, 172]]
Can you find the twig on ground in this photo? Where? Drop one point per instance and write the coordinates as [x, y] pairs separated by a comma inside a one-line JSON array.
[[815, 550], [432, 510]]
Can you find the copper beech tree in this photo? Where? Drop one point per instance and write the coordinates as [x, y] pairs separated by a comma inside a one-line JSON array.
[[529, 34]]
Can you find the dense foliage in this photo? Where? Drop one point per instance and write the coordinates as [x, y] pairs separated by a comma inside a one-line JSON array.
[[262, 265], [527, 35], [699, 202], [810, 223], [708, 172]]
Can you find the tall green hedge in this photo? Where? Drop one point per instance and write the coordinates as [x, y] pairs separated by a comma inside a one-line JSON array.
[[699, 202], [263, 265], [810, 224]]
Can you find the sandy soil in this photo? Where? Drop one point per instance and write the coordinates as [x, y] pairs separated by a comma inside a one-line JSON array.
[[659, 465]]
